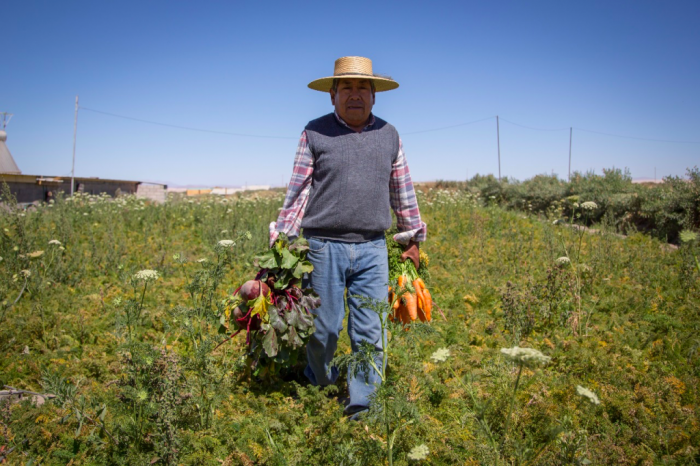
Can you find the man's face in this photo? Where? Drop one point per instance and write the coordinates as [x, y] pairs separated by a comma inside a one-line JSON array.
[[353, 101]]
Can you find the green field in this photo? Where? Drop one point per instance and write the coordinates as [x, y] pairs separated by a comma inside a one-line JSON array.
[[132, 363]]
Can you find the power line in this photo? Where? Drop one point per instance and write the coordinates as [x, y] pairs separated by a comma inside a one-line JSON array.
[[260, 136], [448, 127], [532, 127], [600, 132], [633, 137], [257, 135], [201, 130]]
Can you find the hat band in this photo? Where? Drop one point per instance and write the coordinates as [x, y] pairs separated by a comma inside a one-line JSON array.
[[352, 73]]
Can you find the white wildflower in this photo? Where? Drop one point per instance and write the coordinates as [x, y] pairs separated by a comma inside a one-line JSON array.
[[61, 248], [147, 275], [563, 261], [26, 273], [440, 355], [226, 243], [0, 258], [55, 242], [586, 393], [585, 268], [35, 254], [418, 453], [202, 260], [525, 356], [589, 205], [85, 214], [223, 232]]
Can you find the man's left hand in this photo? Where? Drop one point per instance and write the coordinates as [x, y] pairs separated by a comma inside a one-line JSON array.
[[411, 252]]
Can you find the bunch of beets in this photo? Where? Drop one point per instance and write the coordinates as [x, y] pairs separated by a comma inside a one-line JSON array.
[[273, 309]]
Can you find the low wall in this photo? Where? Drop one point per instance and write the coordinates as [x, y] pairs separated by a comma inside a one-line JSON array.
[[154, 192]]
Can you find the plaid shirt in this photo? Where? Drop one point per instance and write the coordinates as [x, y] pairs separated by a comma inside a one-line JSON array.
[[402, 196]]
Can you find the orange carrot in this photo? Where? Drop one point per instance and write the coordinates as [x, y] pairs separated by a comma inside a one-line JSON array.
[[398, 312], [411, 305], [402, 280], [419, 290], [427, 304], [421, 310], [403, 313]]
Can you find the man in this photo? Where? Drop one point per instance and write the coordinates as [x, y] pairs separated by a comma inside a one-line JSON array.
[[349, 173]]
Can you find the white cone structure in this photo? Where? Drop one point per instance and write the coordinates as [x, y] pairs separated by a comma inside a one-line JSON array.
[[7, 163]]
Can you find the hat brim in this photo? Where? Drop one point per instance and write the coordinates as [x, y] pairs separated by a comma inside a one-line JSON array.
[[380, 84]]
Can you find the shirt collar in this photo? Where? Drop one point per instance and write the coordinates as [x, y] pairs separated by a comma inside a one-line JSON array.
[[369, 123]]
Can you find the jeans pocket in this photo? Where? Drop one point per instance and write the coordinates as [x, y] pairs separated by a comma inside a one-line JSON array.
[[378, 243], [316, 245]]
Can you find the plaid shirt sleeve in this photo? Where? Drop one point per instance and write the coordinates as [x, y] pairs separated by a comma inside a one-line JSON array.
[[289, 219], [404, 202]]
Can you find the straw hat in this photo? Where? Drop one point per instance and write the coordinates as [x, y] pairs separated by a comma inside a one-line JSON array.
[[354, 67]]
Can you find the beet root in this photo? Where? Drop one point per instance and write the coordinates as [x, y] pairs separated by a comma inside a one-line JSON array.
[[251, 290]]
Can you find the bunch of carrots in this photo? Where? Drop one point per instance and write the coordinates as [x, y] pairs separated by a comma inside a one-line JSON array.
[[411, 300]]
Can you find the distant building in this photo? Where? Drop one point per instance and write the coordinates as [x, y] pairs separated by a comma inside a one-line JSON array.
[[257, 187], [29, 189], [201, 191], [153, 191], [225, 191], [198, 192]]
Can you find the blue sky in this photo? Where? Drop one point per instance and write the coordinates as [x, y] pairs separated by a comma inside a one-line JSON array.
[[626, 68]]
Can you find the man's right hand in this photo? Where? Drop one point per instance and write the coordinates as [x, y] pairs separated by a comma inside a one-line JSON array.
[[273, 233]]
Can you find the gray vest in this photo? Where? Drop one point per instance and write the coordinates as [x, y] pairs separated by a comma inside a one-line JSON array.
[[349, 197]]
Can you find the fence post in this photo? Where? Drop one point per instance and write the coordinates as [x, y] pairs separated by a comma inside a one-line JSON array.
[[571, 135], [498, 139]]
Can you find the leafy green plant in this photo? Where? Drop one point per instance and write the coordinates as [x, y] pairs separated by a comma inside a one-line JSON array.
[[277, 324]]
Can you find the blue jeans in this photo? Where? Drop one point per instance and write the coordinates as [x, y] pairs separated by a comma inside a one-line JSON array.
[[363, 269]]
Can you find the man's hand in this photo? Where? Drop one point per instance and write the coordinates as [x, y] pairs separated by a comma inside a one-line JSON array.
[[411, 252], [273, 233]]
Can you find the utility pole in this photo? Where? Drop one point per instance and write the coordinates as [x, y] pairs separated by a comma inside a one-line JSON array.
[[498, 138], [75, 133], [571, 135], [6, 117]]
